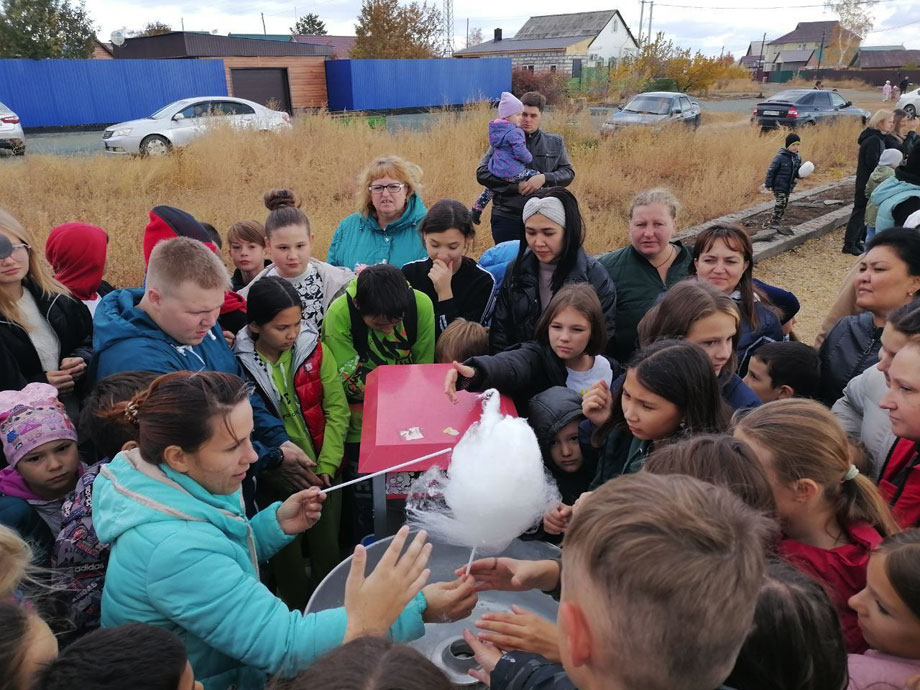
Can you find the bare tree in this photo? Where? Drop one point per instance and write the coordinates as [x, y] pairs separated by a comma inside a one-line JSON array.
[[856, 21], [475, 37]]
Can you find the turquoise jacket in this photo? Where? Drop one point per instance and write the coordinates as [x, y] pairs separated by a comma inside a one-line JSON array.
[[887, 196], [187, 560], [359, 239]]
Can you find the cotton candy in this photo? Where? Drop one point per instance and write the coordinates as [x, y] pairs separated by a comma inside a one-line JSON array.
[[495, 489], [806, 169]]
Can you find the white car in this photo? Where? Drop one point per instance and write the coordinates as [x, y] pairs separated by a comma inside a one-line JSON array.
[[910, 102], [178, 123], [11, 135]]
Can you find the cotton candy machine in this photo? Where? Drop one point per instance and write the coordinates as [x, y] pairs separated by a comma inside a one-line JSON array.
[[443, 643]]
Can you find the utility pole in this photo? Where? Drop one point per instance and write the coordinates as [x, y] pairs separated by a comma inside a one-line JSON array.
[[263, 24], [467, 45], [820, 53], [763, 56], [641, 21], [183, 23], [651, 8]]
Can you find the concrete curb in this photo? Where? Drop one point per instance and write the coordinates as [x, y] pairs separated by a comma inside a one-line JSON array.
[[816, 227]]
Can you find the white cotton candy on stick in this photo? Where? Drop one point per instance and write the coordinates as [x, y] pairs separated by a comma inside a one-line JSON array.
[[495, 489], [806, 169]]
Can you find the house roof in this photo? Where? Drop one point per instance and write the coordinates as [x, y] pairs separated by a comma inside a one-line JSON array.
[[513, 45], [188, 44], [870, 48], [751, 60], [755, 48], [794, 56], [341, 45], [881, 59], [564, 25], [281, 38], [806, 32]]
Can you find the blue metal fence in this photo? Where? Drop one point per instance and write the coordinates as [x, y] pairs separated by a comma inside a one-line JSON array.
[[395, 84], [66, 93]]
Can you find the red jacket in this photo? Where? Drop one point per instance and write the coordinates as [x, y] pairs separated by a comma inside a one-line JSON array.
[[842, 571], [899, 483], [309, 388]]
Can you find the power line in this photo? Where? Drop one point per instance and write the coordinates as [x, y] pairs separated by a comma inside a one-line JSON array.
[[892, 28], [776, 7]]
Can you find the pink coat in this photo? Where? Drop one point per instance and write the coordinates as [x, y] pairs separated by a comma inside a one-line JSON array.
[[877, 671]]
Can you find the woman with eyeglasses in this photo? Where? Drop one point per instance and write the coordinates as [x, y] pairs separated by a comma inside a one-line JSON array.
[[384, 229], [46, 334]]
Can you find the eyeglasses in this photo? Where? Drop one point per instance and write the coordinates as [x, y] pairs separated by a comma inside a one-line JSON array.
[[14, 249], [392, 188]]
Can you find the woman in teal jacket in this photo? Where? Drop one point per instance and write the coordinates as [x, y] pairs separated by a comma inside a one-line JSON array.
[[185, 557], [385, 229]]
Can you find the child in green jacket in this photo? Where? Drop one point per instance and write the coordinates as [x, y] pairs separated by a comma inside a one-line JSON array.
[[379, 320]]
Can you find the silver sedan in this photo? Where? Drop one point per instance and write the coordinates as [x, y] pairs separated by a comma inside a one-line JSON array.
[[178, 123], [11, 135]]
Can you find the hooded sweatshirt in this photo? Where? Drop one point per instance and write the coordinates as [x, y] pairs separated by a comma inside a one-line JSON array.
[[169, 536], [127, 339], [77, 253]]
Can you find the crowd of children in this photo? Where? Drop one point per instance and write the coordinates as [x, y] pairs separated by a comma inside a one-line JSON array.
[[170, 450]]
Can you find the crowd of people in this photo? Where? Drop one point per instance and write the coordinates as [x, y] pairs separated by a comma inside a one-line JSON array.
[[739, 509]]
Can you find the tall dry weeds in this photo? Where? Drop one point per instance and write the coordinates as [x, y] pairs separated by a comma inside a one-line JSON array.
[[221, 178]]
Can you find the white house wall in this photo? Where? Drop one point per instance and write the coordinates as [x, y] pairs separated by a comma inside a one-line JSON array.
[[613, 41]]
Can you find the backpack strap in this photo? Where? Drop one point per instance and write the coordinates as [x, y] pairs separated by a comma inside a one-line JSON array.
[[410, 319], [358, 330]]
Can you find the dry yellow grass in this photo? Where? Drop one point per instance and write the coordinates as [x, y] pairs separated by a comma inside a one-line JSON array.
[[221, 178]]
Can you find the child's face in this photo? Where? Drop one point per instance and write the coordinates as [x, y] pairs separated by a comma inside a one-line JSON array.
[[247, 256], [649, 416], [569, 333], [281, 332], [514, 119], [885, 620], [50, 470], [449, 246], [187, 681], [794, 148], [381, 323], [759, 381], [565, 451], [715, 334], [290, 248]]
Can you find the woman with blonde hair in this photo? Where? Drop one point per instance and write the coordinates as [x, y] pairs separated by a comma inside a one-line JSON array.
[[871, 146], [383, 230], [46, 334]]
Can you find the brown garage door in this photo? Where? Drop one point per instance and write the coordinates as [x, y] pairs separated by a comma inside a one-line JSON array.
[[262, 85]]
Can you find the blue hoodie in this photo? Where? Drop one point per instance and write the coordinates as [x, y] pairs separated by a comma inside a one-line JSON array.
[[187, 560], [887, 196], [359, 239], [125, 338]]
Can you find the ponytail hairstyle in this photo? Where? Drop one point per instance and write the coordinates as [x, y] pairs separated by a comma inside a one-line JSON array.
[[582, 298], [39, 271], [902, 566], [681, 373], [681, 307], [157, 411], [268, 297], [572, 240], [110, 435], [807, 442], [284, 211], [722, 460]]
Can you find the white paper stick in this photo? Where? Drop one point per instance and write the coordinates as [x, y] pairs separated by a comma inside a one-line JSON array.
[[470, 562], [388, 469]]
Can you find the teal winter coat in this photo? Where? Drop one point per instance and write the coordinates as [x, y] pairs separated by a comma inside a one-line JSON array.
[[359, 239], [887, 196], [187, 560]]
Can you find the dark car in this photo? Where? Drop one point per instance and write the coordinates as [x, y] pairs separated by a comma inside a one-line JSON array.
[[655, 108], [797, 107]]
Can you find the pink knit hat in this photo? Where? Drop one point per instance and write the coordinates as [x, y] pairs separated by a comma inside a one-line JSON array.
[[30, 418], [509, 105]]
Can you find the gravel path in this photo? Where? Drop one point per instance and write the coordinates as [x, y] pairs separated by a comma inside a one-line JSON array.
[[813, 271]]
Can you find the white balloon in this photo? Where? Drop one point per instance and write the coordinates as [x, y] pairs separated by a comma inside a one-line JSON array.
[[806, 169], [495, 489]]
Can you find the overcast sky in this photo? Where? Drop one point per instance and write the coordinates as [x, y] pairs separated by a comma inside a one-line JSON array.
[[709, 26]]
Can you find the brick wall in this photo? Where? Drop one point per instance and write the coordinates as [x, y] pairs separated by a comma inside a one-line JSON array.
[[542, 61]]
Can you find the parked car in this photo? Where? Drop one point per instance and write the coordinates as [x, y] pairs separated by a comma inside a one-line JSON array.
[[797, 107], [180, 122], [11, 135], [655, 108], [910, 102]]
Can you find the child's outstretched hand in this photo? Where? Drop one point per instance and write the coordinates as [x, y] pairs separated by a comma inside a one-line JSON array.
[[597, 403], [301, 511], [450, 601], [373, 603], [521, 630], [450, 381], [513, 575], [556, 520], [487, 655]]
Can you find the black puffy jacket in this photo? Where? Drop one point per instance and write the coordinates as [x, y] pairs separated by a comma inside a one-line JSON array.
[[783, 172], [518, 307], [70, 320], [850, 348], [871, 146]]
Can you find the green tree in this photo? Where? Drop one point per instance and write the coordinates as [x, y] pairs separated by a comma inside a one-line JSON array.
[[386, 29], [37, 29], [309, 25], [151, 29]]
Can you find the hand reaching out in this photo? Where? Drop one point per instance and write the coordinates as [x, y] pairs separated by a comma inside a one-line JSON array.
[[597, 403], [556, 520], [450, 380], [513, 575], [521, 630], [487, 655], [450, 601]]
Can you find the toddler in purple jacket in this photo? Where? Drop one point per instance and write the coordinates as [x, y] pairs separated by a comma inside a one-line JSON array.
[[510, 156]]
